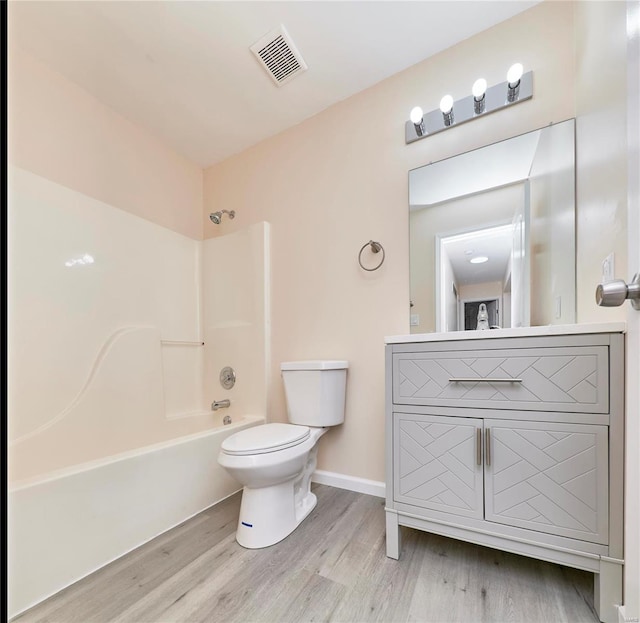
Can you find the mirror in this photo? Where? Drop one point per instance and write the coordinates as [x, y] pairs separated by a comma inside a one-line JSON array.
[[492, 235]]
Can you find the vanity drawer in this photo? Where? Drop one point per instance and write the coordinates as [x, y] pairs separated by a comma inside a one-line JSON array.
[[569, 379]]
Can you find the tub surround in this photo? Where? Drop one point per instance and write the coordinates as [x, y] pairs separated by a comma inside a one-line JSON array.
[[116, 343]]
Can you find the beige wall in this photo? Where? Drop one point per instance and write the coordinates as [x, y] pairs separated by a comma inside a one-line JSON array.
[[552, 217], [332, 183], [490, 289], [60, 132], [601, 153]]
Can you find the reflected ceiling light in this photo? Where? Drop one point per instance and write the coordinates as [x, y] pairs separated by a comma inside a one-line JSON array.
[[417, 118], [513, 81], [479, 259], [482, 101], [446, 107], [85, 259], [479, 90]]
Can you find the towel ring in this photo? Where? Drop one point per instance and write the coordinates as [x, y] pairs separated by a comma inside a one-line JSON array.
[[376, 247]]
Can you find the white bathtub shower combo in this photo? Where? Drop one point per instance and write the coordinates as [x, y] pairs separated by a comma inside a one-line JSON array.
[[133, 324], [274, 462]]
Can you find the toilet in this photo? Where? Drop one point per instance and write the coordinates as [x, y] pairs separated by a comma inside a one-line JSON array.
[[274, 462]]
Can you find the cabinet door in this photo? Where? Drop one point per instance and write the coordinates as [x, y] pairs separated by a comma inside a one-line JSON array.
[[548, 477], [438, 463]]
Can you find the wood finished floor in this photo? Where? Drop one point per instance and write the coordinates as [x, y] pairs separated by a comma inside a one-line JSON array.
[[332, 568]]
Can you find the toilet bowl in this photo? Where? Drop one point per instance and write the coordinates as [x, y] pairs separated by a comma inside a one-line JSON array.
[[274, 462]]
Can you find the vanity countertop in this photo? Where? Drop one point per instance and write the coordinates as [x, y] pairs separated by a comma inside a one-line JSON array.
[[568, 329]]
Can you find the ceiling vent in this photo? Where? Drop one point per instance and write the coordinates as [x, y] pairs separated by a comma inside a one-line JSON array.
[[279, 56]]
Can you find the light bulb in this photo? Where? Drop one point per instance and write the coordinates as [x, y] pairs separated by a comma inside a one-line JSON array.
[[446, 104], [479, 88], [416, 115], [514, 74]]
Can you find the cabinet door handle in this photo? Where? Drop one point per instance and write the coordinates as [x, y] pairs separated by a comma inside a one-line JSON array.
[[479, 446], [487, 446], [478, 380]]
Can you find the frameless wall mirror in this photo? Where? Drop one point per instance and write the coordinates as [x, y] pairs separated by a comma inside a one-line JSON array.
[[492, 235]]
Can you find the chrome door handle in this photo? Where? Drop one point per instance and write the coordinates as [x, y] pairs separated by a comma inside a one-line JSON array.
[[487, 447], [615, 293]]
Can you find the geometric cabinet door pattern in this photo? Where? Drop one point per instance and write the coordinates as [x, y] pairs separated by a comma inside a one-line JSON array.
[[549, 477], [548, 379], [436, 463]]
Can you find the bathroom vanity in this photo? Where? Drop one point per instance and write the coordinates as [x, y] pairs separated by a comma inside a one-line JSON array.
[[512, 439]]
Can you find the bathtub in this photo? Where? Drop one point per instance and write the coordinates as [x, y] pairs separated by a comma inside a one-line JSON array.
[[65, 525]]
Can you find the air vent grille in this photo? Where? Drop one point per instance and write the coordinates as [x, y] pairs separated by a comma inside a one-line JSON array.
[[279, 56]]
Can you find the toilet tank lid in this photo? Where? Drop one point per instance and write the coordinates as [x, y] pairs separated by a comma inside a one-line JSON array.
[[316, 364]]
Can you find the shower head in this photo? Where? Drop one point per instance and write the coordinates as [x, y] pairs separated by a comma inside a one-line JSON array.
[[216, 217]]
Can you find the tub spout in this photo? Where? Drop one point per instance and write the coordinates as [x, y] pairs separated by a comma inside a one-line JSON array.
[[220, 404]]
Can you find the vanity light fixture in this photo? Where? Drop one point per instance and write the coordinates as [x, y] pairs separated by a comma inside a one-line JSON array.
[[479, 259], [446, 107], [513, 81], [417, 118], [483, 100], [479, 91]]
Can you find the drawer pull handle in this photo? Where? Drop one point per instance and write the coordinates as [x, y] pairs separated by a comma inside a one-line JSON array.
[[487, 448], [479, 446], [479, 380]]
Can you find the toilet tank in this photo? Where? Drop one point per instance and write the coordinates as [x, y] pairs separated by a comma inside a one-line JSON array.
[[315, 391]]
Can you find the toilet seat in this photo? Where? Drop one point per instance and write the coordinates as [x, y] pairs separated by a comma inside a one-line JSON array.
[[264, 439]]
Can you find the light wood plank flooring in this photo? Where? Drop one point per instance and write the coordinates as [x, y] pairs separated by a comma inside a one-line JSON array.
[[332, 568]]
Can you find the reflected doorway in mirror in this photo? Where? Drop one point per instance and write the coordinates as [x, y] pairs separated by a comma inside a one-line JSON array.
[[480, 266]]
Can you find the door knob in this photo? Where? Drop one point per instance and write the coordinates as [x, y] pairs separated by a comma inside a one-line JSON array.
[[615, 293]]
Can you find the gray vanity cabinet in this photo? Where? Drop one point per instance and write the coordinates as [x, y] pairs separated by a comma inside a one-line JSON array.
[[552, 478], [514, 443], [547, 477], [437, 463]]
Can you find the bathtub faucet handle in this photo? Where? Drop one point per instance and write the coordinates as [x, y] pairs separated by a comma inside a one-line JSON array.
[[220, 404]]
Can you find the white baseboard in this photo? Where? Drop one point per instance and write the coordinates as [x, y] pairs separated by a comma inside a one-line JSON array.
[[352, 483]]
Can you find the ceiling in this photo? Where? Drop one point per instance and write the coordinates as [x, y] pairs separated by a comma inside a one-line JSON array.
[[184, 70], [494, 243]]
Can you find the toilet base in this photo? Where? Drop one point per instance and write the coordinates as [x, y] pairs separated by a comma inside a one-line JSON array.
[[270, 514]]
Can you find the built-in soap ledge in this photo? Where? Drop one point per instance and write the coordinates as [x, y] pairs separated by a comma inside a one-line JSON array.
[[181, 343], [569, 329]]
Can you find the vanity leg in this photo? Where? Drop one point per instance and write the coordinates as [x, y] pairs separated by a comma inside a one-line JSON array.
[[393, 535], [607, 591]]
